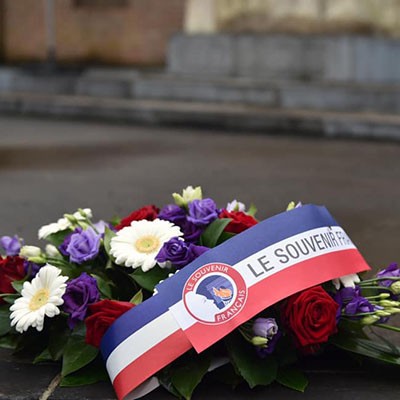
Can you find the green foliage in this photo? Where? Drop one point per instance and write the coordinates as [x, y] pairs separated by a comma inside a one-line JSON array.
[[18, 285], [43, 356], [77, 354], [58, 339], [108, 235], [227, 375], [57, 238], [252, 210], [91, 373], [292, 378], [224, 237], [213, 232], [9, 298], [186, 377], [254, 370], [5, 326], [148, 280], [367, 348], [137, 298], [9, 342], [104, 286]]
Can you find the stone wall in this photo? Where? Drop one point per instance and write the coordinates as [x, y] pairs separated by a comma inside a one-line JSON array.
[[380, 17], [122, 32]]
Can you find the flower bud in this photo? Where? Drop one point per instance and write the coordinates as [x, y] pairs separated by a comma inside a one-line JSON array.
[[188, 195], [389, 303], [384, 295], [235, 205], [383, 313], [393, 310], [83, 214], [52, 251], [370, 319], [71, 218], [291, 206], [395, 287], [38, 260], [30, 251], [259, 341]]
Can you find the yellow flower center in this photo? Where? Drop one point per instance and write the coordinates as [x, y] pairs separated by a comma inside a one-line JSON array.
[[147, 244], [40, 298]]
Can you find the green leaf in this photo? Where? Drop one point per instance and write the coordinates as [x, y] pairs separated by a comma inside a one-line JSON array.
[[225, 236], [17, 285], [108, 235], [43, 356], [164, 379], [9, 342], [187, 377], [366, 347], [254, 370], [92, 373], [58, 340], [57, 238], [393, 348], [252, 210], [77, 354], [137, 298], [292, 378], [104, 286], [210, 236], [9, 298], [227, 375], [5, 326], [148, 280]]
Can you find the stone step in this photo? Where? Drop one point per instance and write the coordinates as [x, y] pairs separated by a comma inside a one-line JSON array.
[[282, 94], [232, 116], [132, 84]]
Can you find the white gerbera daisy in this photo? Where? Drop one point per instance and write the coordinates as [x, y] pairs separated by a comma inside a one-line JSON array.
[[137, 245], [61, 225], [40, 298]]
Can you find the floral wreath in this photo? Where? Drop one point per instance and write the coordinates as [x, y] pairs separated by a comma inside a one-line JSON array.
[[59, 302]]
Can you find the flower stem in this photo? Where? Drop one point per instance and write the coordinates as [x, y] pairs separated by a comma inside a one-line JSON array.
[[388, 327]]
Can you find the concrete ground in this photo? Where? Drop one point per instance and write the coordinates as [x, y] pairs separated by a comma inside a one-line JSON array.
[[48, 167]]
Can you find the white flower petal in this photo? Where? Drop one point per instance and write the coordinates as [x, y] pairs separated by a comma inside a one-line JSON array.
[[40, 298], [125, 246]]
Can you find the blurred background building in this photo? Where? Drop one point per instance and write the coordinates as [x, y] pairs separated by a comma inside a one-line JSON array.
[[136, 32]]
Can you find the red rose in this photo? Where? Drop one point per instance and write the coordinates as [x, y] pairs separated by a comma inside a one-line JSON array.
[[240, 221], [149, 212], [311, 317], [103, 314], [11, 269]]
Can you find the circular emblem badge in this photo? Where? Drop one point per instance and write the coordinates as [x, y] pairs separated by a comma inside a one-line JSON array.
[[214, 293]]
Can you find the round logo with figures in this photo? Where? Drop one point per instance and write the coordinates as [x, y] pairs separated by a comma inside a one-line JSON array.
[[214, 293]]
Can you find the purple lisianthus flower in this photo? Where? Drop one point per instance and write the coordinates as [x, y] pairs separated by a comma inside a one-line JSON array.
[[173, 213], [358, 305], [202, 212], [101, 226], [79, 294], [191, 232], [11, 245], [266, 328], [352, 302], [63, 246], [392, 271], [179, 253], [31, 268], [83, 245]]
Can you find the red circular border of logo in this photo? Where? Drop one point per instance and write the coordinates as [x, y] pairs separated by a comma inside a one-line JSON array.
[[232, 273]]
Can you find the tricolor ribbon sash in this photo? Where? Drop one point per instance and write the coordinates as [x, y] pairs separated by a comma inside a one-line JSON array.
[[225, 287]]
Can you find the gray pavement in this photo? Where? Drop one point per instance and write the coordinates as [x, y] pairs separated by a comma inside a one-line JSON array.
[[48, 167]]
